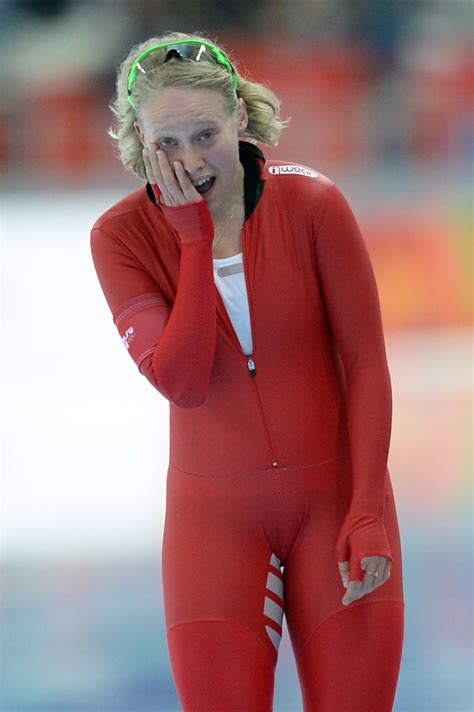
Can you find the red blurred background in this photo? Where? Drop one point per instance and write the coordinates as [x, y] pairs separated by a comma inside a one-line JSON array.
[[380, 97]]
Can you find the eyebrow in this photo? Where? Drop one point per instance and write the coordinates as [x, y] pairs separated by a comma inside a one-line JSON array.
[[166, 130]]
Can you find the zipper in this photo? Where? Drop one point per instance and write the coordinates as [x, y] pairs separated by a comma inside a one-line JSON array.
[[249, 358], [250, 362], [251, 365]]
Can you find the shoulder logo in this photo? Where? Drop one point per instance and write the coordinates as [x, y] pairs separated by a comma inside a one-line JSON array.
[[292, 169]]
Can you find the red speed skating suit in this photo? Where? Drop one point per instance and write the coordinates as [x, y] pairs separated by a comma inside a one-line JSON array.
[[278, 460]]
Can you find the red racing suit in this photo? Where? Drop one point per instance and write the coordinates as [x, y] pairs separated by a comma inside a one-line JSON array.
[[278, 459]]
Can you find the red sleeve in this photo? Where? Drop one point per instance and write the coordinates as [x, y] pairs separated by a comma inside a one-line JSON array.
[[352, 302], [173, 347]]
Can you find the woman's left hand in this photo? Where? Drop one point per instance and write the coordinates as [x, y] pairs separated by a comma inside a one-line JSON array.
[[357, 589]]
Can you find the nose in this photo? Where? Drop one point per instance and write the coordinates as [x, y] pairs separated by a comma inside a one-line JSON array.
[[191, 159]]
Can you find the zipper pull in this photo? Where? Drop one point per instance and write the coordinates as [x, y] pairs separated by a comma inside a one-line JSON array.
[[251, 366]]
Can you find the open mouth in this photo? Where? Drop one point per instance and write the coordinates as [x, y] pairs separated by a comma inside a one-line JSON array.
[[206, 186]]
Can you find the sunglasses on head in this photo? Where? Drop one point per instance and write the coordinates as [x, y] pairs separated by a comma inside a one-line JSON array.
[[197, 50]]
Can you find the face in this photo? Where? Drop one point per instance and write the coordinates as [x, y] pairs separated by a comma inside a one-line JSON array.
[[194, 126]]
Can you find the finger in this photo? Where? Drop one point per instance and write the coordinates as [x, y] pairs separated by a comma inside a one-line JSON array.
[[189, 191], [373, 564], [150, 177], [344, 572], [153, 161], [353, 592], [158, 175], [356, 589], [170, 180], [383, 565], [387, 570], [155, 177], [371, 581]]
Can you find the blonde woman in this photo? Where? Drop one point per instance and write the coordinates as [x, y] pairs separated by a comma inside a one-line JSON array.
[[243, 291]]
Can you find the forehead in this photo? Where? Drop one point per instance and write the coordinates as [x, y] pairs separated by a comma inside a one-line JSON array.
[[178, 108]]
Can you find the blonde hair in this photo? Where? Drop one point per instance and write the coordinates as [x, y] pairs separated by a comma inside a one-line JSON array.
[[263, 105]]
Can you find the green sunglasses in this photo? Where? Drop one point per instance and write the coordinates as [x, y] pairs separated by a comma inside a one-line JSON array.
[[196, 50]]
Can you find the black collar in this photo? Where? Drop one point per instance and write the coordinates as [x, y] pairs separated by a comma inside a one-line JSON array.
[[252, 160]]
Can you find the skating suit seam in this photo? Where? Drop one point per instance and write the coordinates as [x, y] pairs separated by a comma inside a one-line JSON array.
[[223, 620], [260, 472], [360, 603], [280, 508]]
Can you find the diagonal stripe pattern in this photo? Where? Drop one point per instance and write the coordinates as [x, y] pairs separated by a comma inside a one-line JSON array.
[[272, 609]]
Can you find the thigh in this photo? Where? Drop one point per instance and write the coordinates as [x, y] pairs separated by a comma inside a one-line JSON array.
[[351, 661], [342, 651], [223, 624]]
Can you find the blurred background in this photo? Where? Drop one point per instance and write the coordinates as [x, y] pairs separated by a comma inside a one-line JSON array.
[[380, 94]]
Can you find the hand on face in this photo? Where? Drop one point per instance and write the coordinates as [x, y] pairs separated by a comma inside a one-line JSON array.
[[170, 182]]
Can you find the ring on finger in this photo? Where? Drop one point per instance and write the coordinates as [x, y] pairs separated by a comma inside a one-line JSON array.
[[370, 578]]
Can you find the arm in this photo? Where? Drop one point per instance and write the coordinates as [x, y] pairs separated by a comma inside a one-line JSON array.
[[352, 302], [173, 347]]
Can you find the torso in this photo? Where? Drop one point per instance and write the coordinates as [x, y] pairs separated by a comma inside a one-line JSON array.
[[231, 242]]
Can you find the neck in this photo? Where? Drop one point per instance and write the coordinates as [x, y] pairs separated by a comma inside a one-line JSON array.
[[235, 205]]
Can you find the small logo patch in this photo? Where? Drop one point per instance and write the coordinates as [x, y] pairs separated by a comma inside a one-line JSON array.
[[293, 170], [128, 336]]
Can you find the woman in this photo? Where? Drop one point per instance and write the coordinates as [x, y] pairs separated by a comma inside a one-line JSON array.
[[243, 291]]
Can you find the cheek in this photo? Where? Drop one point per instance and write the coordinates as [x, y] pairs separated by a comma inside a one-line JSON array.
[[227, 160]]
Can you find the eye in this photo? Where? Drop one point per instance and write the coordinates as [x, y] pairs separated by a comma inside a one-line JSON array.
[[163, 142], [206, 133]]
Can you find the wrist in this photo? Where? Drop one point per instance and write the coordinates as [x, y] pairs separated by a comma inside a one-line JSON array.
[[191, 221]]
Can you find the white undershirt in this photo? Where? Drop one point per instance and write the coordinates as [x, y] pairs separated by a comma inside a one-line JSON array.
[[229, 279]]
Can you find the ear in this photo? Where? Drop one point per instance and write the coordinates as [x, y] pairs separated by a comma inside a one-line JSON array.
[[244, 117], [139, 131]]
